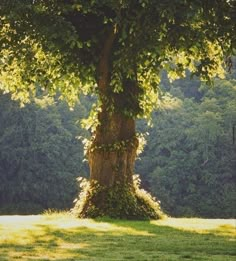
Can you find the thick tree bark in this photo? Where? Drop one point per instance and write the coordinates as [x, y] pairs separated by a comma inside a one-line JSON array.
[[113, 152]]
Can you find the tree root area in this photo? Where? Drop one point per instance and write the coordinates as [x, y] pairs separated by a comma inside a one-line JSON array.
[[119, 201]]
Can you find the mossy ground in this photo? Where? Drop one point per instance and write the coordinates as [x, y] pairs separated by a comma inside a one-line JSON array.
[[63, 237]]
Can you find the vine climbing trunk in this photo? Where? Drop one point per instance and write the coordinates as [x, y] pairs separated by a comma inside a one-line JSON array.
[[111, 156]]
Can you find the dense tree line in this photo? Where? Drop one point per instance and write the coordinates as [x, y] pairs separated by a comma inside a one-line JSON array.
[[40, 156], [188, 163], [190, 160]]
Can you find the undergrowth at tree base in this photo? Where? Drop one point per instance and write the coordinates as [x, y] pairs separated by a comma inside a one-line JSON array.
[[119, 201]]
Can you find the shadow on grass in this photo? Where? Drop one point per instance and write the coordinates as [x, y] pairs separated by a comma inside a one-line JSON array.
[[118, 240]]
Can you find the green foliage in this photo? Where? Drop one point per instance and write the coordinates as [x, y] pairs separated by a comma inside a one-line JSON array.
[[119, 201], [58, 45], [40, 156], [189, 161]]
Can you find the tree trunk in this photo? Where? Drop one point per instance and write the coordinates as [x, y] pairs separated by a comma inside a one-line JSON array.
[[111, 190], [113, 152]]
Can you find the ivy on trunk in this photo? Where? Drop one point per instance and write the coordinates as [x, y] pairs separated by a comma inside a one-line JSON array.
[[111, 156]]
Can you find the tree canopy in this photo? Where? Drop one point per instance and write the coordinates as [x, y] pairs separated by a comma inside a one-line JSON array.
[[59, 44]]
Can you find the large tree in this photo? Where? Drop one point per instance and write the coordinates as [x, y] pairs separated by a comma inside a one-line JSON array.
[[115, 49]]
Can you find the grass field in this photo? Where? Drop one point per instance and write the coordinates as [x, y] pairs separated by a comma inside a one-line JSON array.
[[62, 237]]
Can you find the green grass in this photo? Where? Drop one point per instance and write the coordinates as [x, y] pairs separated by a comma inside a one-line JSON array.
[[63, 237]]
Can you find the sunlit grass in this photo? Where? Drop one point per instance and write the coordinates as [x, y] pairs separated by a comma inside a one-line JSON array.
[[221, 227], [60, 236]]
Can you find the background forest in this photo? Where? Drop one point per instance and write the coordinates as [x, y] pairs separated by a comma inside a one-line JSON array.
[[188, 163]]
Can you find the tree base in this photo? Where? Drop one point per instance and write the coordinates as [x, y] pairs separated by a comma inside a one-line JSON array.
[[118, 201]]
